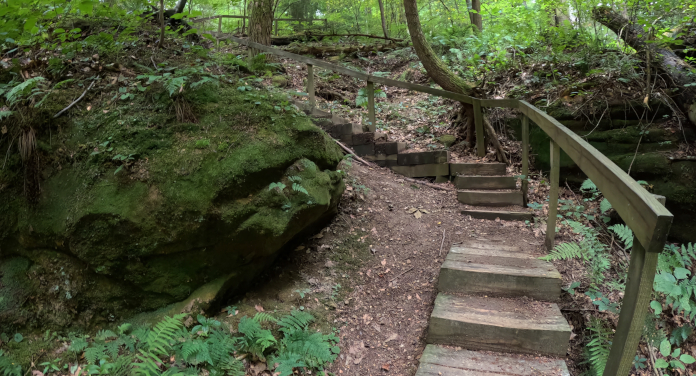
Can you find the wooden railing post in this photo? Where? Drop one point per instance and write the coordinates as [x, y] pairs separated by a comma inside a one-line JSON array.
[[554, 177], [637, 296], [478, 122], [371, 105], [525, 159], [310, 84]]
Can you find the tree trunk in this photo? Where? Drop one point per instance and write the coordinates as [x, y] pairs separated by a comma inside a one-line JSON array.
[[261, 22], [438, 71], [476, 18], [244, 13], [161, 19], [384, 20], [677, 69]]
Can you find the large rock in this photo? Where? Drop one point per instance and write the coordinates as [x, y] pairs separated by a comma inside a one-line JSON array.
[[617, 137], [199, 212]]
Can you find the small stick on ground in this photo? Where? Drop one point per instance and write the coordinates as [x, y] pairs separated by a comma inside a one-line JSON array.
[[402, 273], [76, 100], [658, 372], [350, 151], [431, 185], [443, 242]]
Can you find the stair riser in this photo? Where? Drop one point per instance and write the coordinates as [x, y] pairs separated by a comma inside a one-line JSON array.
[[474, 336], [490, 198], [485, 182], [459, 281], [478, 168], [504, 216]]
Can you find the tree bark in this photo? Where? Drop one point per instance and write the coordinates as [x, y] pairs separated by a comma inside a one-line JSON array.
[[384, 20], [261, 22], [161, 19], [677, 69], [438, 71], [476, 18]]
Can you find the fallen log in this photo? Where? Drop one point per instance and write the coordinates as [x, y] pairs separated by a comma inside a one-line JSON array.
[[320, 51], [679, 71], [361, 35]]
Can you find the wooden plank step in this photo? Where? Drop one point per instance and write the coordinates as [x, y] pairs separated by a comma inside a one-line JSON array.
[[499, 324], [501, 273], [484, 198], [477, 168], [485, 182], [502, 214], [443, 361]]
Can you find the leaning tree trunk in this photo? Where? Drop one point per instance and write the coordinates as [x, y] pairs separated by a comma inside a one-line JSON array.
[[677, 69], [476, 18], [384, 20], [261, 22], [438, 71]]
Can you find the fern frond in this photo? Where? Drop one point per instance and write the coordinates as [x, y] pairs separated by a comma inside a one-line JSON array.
[[78, 345], [295, 178], [312, 348], [233, 366], [564, 251], [103, 335], [94, 354], [298, 188], [147, 365], [122, 366], [159, 338], [296, 320], [624, 233], [8, 367], [287, 362], [262, 317], [599, 346], [588, 185]]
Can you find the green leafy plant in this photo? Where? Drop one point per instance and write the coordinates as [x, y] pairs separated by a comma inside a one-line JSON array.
[[673, 280], [9, 367], [624, 233], [599, 345], [673, 359], [361, 99]]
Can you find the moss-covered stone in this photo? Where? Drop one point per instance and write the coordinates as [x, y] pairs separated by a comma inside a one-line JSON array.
[[280, 81], [138, 211], [447, 140]]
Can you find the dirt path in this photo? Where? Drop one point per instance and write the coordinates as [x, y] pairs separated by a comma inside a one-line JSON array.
[[383, 326]]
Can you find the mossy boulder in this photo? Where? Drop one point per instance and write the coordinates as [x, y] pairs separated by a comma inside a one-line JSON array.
[[138, 211], [447, 140], [280, 81]]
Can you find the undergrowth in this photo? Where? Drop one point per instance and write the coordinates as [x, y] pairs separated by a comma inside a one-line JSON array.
[[169, 348]]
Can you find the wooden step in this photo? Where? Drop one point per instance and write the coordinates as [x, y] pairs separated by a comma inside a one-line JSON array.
[[499, 324], [499, 273], [484, 198], [502, 214], [485, 182], [443, 361], [478, 168]]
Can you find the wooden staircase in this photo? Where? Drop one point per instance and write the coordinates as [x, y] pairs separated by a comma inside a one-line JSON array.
[[499, 298], [487, 185]]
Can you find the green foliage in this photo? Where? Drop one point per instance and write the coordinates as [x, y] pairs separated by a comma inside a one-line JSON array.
[[673, 359], [564, 251], [256, 340], [361, 99], [624, 233], [8, 367], [599, 345], [673, 280], [588, 186]]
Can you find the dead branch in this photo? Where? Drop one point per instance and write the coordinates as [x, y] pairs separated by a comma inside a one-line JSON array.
[[76, 100]]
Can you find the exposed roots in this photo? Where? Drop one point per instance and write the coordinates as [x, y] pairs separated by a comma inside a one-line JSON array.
[[184, 111]]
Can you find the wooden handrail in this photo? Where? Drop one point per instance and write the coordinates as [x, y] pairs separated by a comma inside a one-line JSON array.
[[643, 213]]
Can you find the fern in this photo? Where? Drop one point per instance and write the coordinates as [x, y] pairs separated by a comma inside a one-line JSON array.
[[298, 188], [18, 92], [624, 233], [103, 335], [295, 179], [263, 317], [599, 345], [286, 363], [78, 345], [157, 343], [94, 354], [296, 320], [8, 367], [256, 340], [312, 348], [605, 205], [564, 251]]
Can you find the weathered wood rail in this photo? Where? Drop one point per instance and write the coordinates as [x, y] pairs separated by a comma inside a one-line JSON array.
[[640, 210]]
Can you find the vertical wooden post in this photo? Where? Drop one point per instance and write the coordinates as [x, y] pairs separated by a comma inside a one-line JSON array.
[[554, 177], [525, 159], [639, 286], [310, 84], [371, 105], [480, 136]]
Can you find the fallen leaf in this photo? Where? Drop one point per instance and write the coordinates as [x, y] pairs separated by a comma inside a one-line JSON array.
[[258, 308], [412, 210], [417, 214], [424, 211], [384, 262], [385, 367]]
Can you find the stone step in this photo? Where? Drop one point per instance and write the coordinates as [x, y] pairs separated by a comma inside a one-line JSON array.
[[478, 168], [499, 324], [424, 170], [502, 214], [499, 273], [483, 198], [485, 182], [444, 361]]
